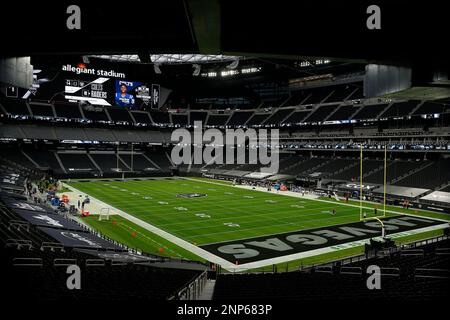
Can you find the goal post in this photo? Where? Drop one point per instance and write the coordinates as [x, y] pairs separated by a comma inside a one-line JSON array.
[[363, 216], [104, 214]]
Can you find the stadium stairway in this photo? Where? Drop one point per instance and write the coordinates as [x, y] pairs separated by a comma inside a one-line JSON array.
[[95, 163], [208, 290], [410, 173], [60, 162]]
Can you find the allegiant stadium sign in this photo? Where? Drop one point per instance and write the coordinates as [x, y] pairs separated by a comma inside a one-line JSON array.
[[83, 69]]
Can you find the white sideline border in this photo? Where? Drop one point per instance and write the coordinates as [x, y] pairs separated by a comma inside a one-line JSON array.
[[261, 263]]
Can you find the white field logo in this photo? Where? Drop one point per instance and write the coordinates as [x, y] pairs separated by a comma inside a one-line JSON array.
[[212, 146]]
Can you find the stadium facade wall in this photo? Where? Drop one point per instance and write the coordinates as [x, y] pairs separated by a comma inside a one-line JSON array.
[[384, 79]]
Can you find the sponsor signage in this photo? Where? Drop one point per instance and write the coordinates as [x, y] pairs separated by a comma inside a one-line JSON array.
[[48, 220], [78, 239], [82, 68], [357, 186], [23, 205], [125, 257]]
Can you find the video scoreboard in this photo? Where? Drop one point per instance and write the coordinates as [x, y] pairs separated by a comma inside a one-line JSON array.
[[82, 83], [112, 92], [95, 92]]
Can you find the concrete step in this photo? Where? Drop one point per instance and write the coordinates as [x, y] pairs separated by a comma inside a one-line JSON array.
[[208, 290]]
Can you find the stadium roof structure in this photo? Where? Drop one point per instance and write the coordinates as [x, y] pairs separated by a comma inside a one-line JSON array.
[[234, 27], [170, 58]]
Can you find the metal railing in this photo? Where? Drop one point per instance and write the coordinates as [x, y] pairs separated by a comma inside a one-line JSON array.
[[193, 289]]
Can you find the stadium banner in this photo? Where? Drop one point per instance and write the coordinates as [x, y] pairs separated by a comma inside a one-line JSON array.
[[48, 220], [9, 194], [356, 186], [155, 96], [8, 187], [11, 178], [284, 244], [17, 206], [126, 257], [78, 239]]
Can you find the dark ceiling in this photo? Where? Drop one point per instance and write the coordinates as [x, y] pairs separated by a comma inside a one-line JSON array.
[[411, 32]]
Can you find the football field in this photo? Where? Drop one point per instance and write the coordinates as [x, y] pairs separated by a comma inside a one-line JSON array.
[[207, 213]]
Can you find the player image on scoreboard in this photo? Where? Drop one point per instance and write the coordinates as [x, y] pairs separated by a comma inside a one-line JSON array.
[[123, 96]]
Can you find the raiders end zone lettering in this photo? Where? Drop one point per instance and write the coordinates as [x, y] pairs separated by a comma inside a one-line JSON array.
[[260, 248]]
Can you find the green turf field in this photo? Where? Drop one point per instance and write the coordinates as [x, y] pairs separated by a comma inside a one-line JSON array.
[[256, 213], [225, 213]]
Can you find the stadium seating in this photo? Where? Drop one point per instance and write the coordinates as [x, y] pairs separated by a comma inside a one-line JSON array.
[[109, 162], [296, 98], [179, 119], [126, 135], [343, 282], [431, 176], [96, 114], [431, 108], [296, 117], [120, 115], [369, 112], [344, 112], [321, 113], [313, 287], [353, 173], [45, 159], [330, 167], [36, 271], [217, 119], [317, 95], [41, 110], [160, 159], [67, 110], [394, 170], [15, 107], [138, 162], [160, 117], [306, 114], [16, 156], [197, 116], [76, 162], [141, 117], [239, 118], [278, 116], [399, 109], [257, 119]]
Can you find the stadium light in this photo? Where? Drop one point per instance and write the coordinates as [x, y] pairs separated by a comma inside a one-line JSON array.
[[233, 65]]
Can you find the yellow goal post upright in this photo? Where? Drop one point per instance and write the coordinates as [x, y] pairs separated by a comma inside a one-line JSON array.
[[361, 189]]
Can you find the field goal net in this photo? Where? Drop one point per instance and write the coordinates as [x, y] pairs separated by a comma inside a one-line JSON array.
[[104, 214]]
